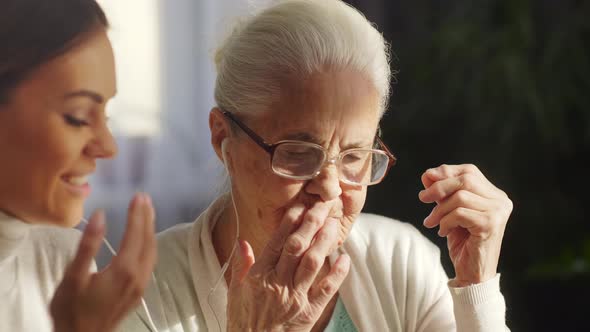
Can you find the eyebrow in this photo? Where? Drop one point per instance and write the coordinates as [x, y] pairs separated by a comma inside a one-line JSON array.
[[85, 93], [358, 144], [307, 137], [302, 136]]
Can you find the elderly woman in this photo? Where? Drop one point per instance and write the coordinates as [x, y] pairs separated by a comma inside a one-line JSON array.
[[300, 91], [55, 80]]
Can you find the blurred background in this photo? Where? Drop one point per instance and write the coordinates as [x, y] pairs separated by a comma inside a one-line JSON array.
[[503, 84]]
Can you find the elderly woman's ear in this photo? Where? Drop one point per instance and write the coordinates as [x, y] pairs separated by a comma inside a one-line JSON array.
[[220, 130]]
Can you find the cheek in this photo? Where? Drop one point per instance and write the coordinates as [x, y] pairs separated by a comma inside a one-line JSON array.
[[266, 195], [64, 154], [37, 157], [353, 200], [63, 147], [275, 195], [260, 182]]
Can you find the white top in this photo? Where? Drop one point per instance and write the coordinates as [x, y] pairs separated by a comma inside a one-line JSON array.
[[396, 282], [32, 261]]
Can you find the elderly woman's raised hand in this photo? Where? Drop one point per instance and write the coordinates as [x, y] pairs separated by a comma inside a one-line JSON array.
[[472, 213], [89, 302], [281, 289]]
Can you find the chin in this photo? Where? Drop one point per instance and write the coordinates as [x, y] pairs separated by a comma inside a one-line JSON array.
[[67, 217]]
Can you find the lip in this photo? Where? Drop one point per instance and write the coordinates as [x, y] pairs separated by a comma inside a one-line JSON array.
[[82, 190]]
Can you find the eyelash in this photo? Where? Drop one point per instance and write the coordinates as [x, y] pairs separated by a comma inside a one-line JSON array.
[[73, 121]]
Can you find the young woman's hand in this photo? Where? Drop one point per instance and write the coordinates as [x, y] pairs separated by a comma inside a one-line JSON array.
[[97, 302]]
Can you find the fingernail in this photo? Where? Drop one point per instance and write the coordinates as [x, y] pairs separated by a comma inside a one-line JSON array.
[[422, 195], [427, 218], [148, 199]]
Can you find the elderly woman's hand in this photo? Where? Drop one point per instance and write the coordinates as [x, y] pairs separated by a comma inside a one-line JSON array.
[[280, 291], [472, 213], [89, 302]]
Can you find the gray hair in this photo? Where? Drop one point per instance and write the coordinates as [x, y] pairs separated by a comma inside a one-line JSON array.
[[293, 39]]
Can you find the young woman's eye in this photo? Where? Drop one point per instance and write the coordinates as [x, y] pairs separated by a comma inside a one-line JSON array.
[[73, 121]]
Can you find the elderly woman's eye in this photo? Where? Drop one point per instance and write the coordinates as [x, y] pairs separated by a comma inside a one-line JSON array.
[[75, 122], [354, 156], [294, 157], [297, 153], [293, 151]]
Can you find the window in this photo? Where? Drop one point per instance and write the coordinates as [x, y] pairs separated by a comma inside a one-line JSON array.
[[134, 34]]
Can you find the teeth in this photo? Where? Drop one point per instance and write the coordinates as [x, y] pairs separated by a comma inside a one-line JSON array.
[[77, 180]]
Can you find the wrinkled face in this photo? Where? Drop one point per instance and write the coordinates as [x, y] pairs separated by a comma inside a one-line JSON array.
[[52, 131], [338, 110]]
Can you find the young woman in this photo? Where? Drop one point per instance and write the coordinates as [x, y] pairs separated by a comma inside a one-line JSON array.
[[56, 76]]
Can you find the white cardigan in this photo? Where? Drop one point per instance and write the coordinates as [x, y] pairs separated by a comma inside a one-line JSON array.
[[396, 282], [32, 262]]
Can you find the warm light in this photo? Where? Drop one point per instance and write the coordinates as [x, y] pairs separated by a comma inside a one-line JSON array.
[[134, 34]]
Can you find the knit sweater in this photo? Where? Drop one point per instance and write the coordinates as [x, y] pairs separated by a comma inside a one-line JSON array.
[[396, 282]]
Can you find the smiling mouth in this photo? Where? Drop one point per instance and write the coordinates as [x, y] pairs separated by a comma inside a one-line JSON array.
[[76, 180]]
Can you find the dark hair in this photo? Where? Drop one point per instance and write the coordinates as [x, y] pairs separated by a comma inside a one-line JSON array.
[[33, 32]]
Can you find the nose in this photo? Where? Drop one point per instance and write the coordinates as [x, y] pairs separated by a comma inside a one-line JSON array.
[[326, 184], [103, 146]]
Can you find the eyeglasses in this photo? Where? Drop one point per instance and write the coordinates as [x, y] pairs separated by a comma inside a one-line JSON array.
[[300, 160]]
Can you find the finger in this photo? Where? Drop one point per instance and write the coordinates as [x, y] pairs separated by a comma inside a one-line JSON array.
[[126, 271], [77, 273], [426, 180], [132, 242], [447, 171], [461, 198], [475, 222], [321, 294], [298, 242], [272, 251], [315, 257], [149, 250], [241, 263], [444, 171], [441, 189]]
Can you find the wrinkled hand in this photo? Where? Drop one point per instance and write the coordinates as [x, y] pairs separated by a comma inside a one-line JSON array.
[[97, 302], [279, 291], [472, 213]]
